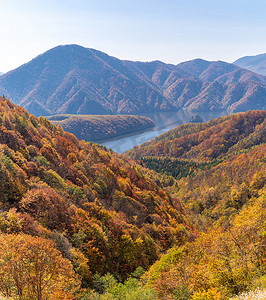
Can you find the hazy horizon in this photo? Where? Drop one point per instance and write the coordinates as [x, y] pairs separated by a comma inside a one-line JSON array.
[[172, 32]]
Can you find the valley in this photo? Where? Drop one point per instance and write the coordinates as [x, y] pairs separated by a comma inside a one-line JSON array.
[[116, 220], [133, 150], [164, 121], [119, 191], [98, 208]]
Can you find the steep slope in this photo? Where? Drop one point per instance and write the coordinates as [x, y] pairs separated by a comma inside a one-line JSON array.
[[194, 67], [103, 213], [73, 79], [160, 74], [227, 261], [76, 80], [200, 85], [219, 71], [255, 63], [220, 170], [207, 141], [211, 153], [95, 127], [235, 97]]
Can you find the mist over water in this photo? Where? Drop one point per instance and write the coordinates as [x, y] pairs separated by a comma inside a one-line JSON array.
[[164, 121]]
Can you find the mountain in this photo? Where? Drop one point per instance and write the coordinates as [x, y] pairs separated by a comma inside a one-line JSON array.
[[207, 141], [1, 73], [217, 171], [219, 71], [89, 222], [255, 63], [75, 80], [95, 128], [205, 151], [224, 261], [199, 85], [103, 213], [202, 149]]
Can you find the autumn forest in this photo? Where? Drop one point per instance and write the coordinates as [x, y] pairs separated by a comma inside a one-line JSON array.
[[180, 217]]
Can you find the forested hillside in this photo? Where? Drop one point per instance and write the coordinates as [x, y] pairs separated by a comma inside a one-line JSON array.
[[95, 128], [96, 207], [207, 156], [227, 260], [220, 167], [78, 221], [207, 141]]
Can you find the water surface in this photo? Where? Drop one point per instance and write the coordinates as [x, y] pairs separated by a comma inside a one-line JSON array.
[[164, 121]]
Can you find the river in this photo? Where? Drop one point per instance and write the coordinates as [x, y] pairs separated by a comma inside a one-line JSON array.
[[164, 121]]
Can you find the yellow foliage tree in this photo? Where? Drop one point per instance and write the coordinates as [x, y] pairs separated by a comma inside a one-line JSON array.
[[31, 268]]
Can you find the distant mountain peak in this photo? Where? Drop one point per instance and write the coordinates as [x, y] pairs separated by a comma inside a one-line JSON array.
[[256, 63]]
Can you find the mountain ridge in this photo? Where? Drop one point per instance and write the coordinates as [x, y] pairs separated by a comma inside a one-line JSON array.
[[193, 141], [70, 79], [255, 63]]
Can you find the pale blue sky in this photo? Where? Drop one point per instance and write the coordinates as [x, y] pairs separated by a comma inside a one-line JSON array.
[[167, 30]]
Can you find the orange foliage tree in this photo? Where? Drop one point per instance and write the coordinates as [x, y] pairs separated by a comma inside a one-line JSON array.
[[31, 268]]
